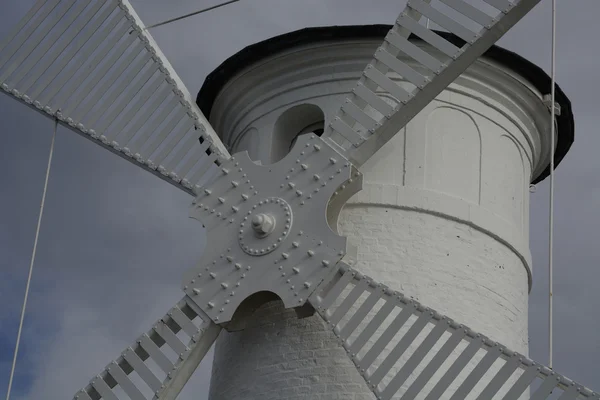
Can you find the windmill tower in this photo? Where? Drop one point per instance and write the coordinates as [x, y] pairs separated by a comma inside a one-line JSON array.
[[443, 212], [454, 234]]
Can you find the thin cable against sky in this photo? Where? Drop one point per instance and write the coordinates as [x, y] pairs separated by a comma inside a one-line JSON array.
[[191, 14], [551, 216], [35, 242]]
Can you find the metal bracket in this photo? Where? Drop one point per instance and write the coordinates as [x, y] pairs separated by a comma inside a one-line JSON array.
[[547, 100], [268, 229]]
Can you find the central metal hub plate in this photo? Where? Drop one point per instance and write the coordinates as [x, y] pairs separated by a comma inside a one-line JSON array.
[[265, 227]]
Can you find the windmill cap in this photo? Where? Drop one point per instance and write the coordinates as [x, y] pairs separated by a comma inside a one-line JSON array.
[[217, 79]]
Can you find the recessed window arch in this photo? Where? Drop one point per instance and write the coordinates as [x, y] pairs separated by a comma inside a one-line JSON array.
[[296, 121]]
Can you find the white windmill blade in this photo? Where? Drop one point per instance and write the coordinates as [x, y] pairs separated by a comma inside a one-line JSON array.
[[92, 65], [413, 75], [399, 345], [176, 358]]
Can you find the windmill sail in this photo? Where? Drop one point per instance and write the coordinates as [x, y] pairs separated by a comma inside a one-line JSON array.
[[184, 320], [405, 350], [366, 121], [91, 65]]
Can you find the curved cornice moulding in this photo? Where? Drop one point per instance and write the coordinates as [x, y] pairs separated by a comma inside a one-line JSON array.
[[449, 207]]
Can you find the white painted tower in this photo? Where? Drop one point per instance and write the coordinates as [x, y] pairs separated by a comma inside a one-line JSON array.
[[444, 211]]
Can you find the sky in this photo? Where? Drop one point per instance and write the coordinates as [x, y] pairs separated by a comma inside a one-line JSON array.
[[115, 240]]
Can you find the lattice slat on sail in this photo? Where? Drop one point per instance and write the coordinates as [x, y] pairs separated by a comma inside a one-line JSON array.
[[404, 350], [175, 346], [414, 75], [91, 65]]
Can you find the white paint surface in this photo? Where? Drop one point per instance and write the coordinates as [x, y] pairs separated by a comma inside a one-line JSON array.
[[443, 216]]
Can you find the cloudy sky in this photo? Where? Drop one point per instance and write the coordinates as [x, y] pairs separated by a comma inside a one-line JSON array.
[[115, 239]]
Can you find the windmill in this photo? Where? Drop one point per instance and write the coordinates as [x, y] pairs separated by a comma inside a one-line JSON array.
[[264, 238]]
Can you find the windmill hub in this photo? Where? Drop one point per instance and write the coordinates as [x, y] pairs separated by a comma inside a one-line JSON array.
[[261, 231], [263, 224]]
